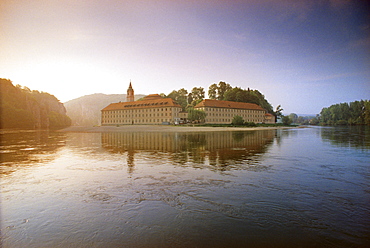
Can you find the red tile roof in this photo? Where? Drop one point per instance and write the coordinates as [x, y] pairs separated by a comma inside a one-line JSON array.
[[152, 97], [150, 101], [228, 104]]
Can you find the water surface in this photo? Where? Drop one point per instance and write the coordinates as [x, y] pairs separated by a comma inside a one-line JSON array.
[[281, 188]]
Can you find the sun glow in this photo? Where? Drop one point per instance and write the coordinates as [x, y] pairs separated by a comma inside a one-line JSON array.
[[64, 79]]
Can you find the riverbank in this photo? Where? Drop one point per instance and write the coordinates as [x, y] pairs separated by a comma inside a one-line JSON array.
[[162, 128]]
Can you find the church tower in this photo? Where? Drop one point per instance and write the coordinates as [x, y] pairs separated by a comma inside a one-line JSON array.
[[130, 94]]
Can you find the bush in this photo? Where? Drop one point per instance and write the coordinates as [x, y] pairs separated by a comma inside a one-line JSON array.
[[250, 124]]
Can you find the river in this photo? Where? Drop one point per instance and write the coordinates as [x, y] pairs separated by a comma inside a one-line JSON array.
[[306, 187]]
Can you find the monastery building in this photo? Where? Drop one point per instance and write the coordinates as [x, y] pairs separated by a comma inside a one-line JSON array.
[[153, 109], [223, 112]]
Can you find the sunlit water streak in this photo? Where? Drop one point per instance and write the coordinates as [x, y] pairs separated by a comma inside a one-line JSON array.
[[300, 187]]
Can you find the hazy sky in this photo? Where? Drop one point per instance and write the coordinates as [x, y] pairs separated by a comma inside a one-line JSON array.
[[304, 55]]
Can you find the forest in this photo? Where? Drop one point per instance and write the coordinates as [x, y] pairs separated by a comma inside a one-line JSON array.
[[353, 113], [21, 107]]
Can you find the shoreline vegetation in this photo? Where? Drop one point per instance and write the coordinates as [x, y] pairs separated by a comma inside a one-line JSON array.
[[23, 108], [168, 128]]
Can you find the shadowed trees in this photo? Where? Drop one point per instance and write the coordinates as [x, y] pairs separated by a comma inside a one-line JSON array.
[[22, 108]]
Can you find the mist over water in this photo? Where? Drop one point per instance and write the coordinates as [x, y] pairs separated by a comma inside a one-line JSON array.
[[282, 188]]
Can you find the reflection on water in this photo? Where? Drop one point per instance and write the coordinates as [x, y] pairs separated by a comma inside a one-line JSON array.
[[273, 188], [353, 136], [24, 148], [220, 150]]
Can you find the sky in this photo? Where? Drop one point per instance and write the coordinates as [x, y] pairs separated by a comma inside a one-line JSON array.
[[301, 54]]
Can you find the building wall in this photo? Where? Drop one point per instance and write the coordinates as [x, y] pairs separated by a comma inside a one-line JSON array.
[[140, 116], [225, 115], [270, 119]]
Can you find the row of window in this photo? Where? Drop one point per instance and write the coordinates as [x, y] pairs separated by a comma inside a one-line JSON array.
[[127, 121]]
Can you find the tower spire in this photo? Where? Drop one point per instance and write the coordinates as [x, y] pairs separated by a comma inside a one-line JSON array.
[[130, 93]]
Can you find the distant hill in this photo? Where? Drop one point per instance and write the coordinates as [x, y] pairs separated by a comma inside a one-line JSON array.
[[85, 110], [21, 107]]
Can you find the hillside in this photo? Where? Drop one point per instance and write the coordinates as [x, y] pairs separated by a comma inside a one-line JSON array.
[[85, 110], [21, 107]]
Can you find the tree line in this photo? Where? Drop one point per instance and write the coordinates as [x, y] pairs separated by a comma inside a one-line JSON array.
[[353, 113], [221, 91], [21, 107]]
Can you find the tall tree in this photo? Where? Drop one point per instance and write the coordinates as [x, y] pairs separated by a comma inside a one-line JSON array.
[[218, 91], [197, 93], [278, 111], [212, 91], [190, 98], [180, 96], [293, 117], [222, 88], [196, 96]]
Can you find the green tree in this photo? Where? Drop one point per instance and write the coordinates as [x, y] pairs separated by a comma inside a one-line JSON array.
[[196, 115], [237, 120], [222, 88], [22, 108], [190, 98], [180, 96], [314, 121], [238, 94], [286, 120], [293, 117], [367, 113], [278, 112], [262, 101], [212, 91], [217, 91], [197, 93], [353, 113]]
